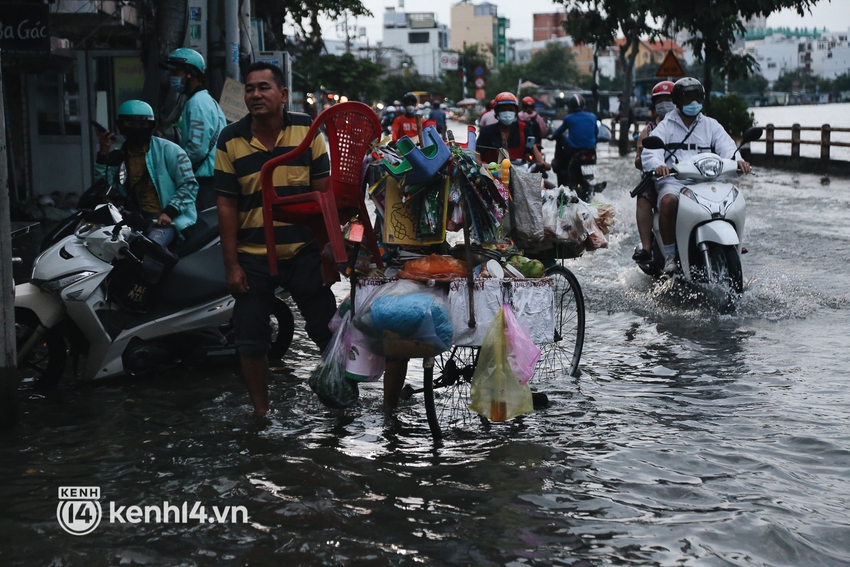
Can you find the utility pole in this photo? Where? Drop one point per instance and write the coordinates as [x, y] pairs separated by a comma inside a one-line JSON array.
[[231, 38], [7, 289], [8, 375]]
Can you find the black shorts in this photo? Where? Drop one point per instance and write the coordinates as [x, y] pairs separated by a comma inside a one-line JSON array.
[[301, 276]]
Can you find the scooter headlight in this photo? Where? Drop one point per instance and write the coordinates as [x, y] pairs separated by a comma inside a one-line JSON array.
[[61, 282], [710, 167]]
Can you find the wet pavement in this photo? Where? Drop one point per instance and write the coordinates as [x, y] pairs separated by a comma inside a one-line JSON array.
[[690, 437]]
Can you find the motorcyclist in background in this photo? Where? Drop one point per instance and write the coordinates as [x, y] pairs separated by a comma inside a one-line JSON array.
[[438, 115], [387, 119], [405, 123], [201, 121], [581, 128], [160, 183], [690, 132], [508, 133], [530, 115], [662, 103]]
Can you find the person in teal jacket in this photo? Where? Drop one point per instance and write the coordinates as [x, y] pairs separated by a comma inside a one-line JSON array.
[[160, 183], [201, 121]]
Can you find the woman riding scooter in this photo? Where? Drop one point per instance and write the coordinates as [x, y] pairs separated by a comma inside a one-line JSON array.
[[662, 103]]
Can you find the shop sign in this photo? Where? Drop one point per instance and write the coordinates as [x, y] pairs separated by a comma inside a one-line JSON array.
[[24, 29]]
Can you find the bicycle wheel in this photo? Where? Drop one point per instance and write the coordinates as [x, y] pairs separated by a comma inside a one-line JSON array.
[[447, 389], [561, 357]]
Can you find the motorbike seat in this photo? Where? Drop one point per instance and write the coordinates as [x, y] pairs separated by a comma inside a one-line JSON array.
[[196, 278], [199, 234]]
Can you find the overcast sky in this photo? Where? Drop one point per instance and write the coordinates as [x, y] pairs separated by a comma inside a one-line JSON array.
[[834, 15]]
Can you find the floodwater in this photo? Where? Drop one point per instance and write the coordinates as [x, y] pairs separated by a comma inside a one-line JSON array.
[[837, 115], [690, 437]]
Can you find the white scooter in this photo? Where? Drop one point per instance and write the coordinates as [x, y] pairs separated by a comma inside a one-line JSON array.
[[71, 305], [709, 223]]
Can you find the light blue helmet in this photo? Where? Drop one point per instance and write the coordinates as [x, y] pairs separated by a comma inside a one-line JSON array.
[[183, 57], [135, 110]]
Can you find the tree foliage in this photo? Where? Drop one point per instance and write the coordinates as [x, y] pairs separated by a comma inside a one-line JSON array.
[[801, 81], [553, 65], [304, 15], [599, 22], [733, 114], [713, 27], [358, 79]]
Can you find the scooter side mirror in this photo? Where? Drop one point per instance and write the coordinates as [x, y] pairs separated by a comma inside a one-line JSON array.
[[653, 143], [752, 134]]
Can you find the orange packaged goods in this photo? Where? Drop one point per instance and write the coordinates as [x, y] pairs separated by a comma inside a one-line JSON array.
[[434, 267]]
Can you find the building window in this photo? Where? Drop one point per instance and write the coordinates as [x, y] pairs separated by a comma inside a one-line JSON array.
[[57, 104], [771, 65], [419, 37]]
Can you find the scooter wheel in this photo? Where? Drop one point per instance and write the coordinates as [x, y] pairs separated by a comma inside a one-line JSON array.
[[48, 358]]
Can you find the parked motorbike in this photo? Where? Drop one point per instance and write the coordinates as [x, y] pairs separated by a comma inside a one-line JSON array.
[[77, 304], [709, 223]]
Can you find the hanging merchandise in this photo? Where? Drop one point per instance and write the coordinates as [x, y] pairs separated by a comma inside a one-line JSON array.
[[522, 352], [527, 218], [328, 379], [496, 393]]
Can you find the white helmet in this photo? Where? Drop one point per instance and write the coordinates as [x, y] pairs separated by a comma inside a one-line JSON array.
[[390, 108], [427, 104]]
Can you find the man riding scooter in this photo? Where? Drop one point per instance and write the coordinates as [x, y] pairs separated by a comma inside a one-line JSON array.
[[581, 129], [690, 132], [160, 183]]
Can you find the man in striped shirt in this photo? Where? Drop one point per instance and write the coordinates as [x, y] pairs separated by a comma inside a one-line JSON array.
[[269, 130]]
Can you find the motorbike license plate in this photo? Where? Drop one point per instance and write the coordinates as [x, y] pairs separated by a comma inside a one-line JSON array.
[[589, 170]]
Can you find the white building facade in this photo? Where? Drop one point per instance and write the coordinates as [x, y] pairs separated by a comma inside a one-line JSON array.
[[419, 36]]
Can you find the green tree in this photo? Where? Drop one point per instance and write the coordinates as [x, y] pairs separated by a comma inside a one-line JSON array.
[[754, 84], [798, 81], [598, 22], [553, 65], [714, 26], [358, 79], [304, 14], [733, 114]]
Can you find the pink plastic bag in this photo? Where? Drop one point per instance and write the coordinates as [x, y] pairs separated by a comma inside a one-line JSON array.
[[522, 353]]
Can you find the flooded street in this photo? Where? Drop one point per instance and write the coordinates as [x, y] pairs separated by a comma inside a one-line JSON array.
[[690, 437]]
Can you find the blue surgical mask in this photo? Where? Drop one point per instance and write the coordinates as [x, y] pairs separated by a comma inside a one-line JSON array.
[[177, 85], [692, 109], [662, 108], [507, 117]]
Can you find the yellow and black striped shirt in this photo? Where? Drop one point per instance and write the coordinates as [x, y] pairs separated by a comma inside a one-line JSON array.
[[238, 161]]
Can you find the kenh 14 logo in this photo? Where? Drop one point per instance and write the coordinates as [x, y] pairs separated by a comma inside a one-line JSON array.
[[79, 511]]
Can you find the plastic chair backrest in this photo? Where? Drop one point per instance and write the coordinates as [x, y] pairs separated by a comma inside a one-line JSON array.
[[351, 128]]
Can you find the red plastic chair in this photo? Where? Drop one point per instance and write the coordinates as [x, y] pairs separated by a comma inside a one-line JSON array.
[[351, 128]]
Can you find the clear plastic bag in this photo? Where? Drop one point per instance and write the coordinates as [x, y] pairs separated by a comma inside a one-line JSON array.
[[361, 364], [328, 379], [406, 319], [522, 353], [496, 393]]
